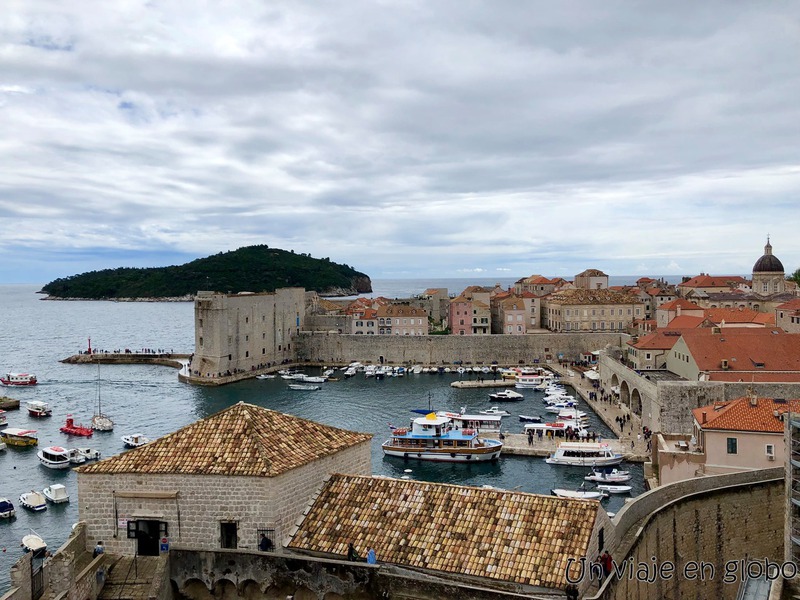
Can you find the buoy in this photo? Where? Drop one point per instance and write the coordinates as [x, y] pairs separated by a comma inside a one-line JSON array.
[[407, 471]]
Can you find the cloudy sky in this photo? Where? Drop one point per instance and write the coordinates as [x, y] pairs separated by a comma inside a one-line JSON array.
[[407, 139]]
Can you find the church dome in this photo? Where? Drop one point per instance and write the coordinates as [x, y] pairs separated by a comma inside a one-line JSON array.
[[768, 263]]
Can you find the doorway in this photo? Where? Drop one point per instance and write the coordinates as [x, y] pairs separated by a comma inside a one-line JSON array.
[[228, 535], [148, 534]]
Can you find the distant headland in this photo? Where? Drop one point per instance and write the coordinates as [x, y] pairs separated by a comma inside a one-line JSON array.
[[249, 269]]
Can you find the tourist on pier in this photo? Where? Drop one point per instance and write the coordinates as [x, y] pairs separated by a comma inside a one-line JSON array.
[[371, 559], [530, 437], [98, 549]]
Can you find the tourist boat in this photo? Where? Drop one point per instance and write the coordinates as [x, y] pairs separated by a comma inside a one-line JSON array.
[[495, 410], [33, 500], [19, 437], [34, 543], [530, 419], [557, 428], [56, 493], [89, 453], [579, 494], [584, 453], [134, 440], [614, 489], [37, 408], [435, 438], [18, 379], [6, 509], [610, 476], [55, 457], [507, 395], [480, 423], [528, 381], [308, 387], [70, 428], [3, 418], [100, 420]]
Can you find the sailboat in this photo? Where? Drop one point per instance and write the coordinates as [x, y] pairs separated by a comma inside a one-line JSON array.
[[100, 420]]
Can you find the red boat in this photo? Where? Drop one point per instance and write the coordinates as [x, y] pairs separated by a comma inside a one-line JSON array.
[[72, 429], [18, 379]]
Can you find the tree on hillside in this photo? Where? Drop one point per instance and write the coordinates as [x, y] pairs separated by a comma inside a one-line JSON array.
[[794, 277]]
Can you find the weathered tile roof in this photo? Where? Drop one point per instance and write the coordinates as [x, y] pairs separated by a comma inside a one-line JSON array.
[[707, 281], [744, 348], [745, 414], [658, 340], [508, 536], [686, 322], [242, 440], [583, 296], [679, 302], [790, 305]]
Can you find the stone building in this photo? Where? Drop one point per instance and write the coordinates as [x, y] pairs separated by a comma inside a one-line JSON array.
[[402, 319], [590, 310], [218, 483], [514, 314], [787, 316], [242, 332], [768, 274], [591, 279], [498, 539]]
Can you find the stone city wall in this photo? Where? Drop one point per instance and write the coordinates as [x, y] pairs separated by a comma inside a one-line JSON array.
[[447, 349], [716, 520], [204, 501]]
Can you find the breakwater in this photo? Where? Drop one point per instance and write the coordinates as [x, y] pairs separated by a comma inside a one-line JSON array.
[[168, 359]]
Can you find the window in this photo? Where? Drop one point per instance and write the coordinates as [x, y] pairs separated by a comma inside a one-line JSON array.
[[201, 342], [770, 450], [228, 537], [270, 543], [732, 446], [647, 356]]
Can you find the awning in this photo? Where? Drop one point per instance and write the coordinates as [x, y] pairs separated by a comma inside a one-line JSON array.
[[593, 375]]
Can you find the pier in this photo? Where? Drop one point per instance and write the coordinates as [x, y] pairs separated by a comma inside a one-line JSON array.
[[168, 359]]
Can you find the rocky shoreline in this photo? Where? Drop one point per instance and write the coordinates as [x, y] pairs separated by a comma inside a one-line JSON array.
[[186, 298]]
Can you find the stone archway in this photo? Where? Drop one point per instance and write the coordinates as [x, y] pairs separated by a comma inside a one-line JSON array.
[[195, 589], [225, 589], [636, 402], [624, 394]]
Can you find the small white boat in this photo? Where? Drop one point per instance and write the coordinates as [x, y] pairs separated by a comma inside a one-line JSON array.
[[134, 440], [33, 542], [55, 457], [37, 408], [612, 476], [495, 410], [614, 489], [530, 419], [559, 406], [265, 376], [56, 493], [33, 501], [579, 494], [89, 453], [6, 509], [310, 378], [508, 395], [304, 387], [583, 454]]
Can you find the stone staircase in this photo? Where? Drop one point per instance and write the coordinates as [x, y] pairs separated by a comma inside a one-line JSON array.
[[135, 578]]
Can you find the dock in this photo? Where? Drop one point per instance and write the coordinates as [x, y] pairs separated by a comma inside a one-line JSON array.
[[7, 403], [167, 359], [517, 444]]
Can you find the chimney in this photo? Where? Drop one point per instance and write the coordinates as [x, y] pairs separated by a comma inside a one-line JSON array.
[[753, 400], [705, 418]]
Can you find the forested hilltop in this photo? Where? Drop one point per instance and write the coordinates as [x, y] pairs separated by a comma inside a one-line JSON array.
[[250, 269]]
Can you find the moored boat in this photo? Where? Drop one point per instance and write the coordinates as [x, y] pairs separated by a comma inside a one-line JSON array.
[[6, 509], [89, 453], [18, 379], [435, 438], [614, 489], [495, 410], [506, 395], [70, 428], [480, 423], [266, 376], [56, 493], [54, 457], [579, 494], [530, 419], [134, 440], [33, 500], [308, 387], [583, 454], [3, 418], [37, 408], [100, 420], [33, 542], [14, 436], [525, 381], [559, 428], [609, 476]]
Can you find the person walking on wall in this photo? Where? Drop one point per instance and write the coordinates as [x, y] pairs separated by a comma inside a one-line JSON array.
[[371, 559], [352, 555]]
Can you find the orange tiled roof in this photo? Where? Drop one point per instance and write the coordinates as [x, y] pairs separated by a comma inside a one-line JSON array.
[[707, 281], [743, 415], [753, 377], [506, 536], [679, 302], [401, 310], [790, 305], [658, 340], [731, 315], [686, 322], [243, 439], [745, 349], [583, 296]]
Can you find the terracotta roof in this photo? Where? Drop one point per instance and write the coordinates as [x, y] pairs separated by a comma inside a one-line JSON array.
[[659, 340], [686, 322], [732, 315], [679, 302], [706, 281], [507, 536], [582, 296], [242, 440], [790, 305], [745, 349], [329, 305], [745, 414], [401, 310], [753, 377]]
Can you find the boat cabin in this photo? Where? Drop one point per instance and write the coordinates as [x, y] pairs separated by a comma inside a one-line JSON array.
[[480, 423], [19, 437]]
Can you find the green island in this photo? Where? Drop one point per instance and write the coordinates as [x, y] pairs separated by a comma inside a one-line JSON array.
[[249, 269]]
